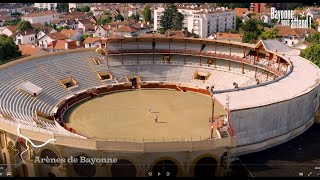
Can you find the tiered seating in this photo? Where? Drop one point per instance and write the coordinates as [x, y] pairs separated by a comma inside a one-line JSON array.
[[236, 51], [177, 45], [194, 47], [130, 46], [161, 46], [114, 46], [145, 45]]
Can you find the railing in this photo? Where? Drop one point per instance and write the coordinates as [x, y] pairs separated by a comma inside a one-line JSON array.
[[251, 62], [118, 144]]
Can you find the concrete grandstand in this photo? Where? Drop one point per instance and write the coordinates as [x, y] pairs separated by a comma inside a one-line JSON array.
[[268, 95]]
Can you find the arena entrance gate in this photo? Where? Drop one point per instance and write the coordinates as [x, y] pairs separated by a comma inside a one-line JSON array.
[[135, 81]]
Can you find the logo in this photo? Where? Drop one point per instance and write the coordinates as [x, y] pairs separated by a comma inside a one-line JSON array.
[[290, 18]]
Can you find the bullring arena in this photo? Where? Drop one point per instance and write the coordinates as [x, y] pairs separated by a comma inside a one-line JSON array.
[[214, 100]]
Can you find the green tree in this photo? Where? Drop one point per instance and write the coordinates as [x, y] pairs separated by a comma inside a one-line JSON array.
[[8, 49], [272, 34], [24, 25], [238, 23], [251, 29], [135, 17], [85, 36], [107, 13], [147, 13], [119, 17], [312, 53], [90, 13], [314, 38], [63, 7], [104, 20], [85, 9], [171, 18]]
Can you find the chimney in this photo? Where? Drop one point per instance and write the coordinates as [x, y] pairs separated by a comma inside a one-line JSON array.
[[69, 35], [78, 43], [66, 45], [25, 32]]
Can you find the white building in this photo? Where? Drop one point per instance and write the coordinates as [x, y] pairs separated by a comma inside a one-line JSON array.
[[48, 6], [92, 42], [202, 22], [41, 17], [25, 37], [101, 31]]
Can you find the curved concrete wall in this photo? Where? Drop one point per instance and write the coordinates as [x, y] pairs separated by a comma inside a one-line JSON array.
[[260, 124]]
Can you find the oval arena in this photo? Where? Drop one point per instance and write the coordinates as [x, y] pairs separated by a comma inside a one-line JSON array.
[[214, 100]]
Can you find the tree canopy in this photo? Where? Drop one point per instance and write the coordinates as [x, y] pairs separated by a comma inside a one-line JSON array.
[[85, 36], [314, 38], [251, 29], [85, 9], [63, 7], [119, 17], [147, 13], [24, 25], [271, 34], [312, 53], [171, 18], [8, 49], [105, 20], [135, 17]]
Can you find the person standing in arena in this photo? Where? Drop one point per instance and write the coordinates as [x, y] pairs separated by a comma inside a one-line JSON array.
[[156, 118], [149, 108]]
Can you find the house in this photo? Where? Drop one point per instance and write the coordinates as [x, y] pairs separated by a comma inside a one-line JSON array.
[[92, 42], [76, 35], [41, 17], [12, 7], [266, 16], [59, 23], [126, 31], [47, 39], [44, 31], [227, 36], [74, 16], [102, 31], [25, 37], [60, 45], [291, 36], [85, 25], [9, 30]]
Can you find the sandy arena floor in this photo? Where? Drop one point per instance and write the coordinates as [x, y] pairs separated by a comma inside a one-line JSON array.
[[124, 116]]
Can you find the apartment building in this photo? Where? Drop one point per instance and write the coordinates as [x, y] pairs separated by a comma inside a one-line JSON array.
[[48, 6], [203, 22], [41, 17]]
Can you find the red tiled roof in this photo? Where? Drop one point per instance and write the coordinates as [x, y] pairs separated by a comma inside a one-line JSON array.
[[126, 29], [68, 32], [60, 44], [92, 40], [26, 32], [12, 28], [29, 49], [299, 32], [240, 11], [223, 35], [57, 36]]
